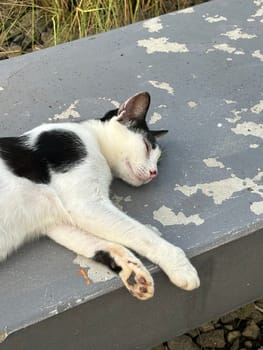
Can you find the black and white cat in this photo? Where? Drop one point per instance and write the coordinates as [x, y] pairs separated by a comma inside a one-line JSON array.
[[55, 179]]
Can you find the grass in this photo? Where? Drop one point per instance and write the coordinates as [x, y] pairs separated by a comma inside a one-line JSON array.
[[28, 25]]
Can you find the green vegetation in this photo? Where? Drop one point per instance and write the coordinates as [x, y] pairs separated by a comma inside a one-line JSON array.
[[27, 25]]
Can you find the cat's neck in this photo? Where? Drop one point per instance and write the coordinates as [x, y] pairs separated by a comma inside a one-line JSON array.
[[109, 137]]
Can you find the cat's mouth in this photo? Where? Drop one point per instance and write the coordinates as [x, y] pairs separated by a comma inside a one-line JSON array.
[[139, 178]]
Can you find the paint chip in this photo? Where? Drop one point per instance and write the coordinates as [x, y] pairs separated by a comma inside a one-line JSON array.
[[249, 129], [238, 34], [167, 217], [257, 208], [116, 104], [259, 12], [97, 272], [223, 190], [187, 10], [228, 102], [153, 25], [226, 48], [163, 44], [117, 201], [215, 19], [254, 145], [236, 116], [154, 118], [192, 104], [258, 108], [163, 86], [258, 54], [68, 113], [213, 163], [1, 88]]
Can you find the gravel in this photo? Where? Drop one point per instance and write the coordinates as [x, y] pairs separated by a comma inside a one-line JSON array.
[[238, 330]]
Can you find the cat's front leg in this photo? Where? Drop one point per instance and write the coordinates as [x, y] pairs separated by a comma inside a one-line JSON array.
[[104, 220], [133, 273]]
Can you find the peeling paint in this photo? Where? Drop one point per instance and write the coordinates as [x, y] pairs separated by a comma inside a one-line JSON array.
[[116, 104], [215, 19], [154, 118], [259, 12], [254, 145], [163, 44], [153, 25], [238, 34], [249, 128], [240, 52], [228, 102], [97, 272], [236, 114], [1, 88], [258, 55], [258, 108], [213, 163], [163, 86], [128, 199], [257, 208], [226, 48], [192, 104], [117, 201], [167, 217], [187, 10], [69, 112], [223, 190]]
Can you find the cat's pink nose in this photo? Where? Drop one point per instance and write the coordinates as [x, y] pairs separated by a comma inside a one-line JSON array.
[[153, 173]]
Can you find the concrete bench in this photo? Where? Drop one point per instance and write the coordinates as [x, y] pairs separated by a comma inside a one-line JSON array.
[[204, 69]]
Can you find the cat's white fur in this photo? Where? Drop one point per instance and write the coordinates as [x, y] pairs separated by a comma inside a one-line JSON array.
[[75, 210]]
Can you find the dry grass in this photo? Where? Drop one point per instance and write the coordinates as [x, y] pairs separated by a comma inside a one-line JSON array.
[[27, 25]]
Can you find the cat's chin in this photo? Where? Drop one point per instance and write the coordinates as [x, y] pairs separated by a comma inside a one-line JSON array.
[[132, 178]]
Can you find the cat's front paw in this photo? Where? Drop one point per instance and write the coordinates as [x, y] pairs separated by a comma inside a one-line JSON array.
[[180, 271]]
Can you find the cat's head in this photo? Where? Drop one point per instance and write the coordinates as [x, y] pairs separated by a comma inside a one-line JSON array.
[[136, 152]]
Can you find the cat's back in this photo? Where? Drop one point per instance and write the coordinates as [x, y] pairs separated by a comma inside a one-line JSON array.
[[45, 149]]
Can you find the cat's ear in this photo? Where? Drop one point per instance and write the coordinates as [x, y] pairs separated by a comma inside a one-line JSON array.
[[134, 110], [158, 133]]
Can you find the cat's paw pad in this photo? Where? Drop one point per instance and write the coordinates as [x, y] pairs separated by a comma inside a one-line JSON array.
[[137, 279]]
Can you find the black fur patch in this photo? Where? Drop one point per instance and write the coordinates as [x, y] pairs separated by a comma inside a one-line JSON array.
[[62, 149], [105, 259], [58, 150], [109, 115], [22, 160]]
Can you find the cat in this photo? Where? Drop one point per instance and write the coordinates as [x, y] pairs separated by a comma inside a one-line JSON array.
[[55, 180]]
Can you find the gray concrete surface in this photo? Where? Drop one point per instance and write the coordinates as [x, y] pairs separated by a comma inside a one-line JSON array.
[[204, 70]]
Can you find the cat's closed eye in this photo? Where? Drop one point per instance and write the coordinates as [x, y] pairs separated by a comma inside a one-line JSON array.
[[147, 146]]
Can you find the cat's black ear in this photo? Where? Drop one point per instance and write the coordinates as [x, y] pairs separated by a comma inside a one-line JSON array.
[[158, 133], [135, 109]]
